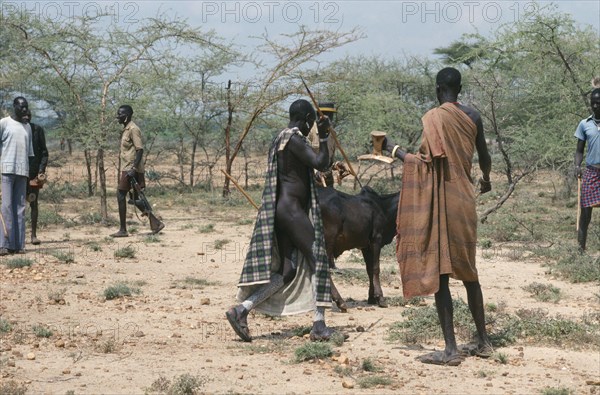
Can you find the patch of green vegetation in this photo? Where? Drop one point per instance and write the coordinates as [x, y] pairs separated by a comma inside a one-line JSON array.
[[57, 296], [350, 275], [300, 331], [91, 218], [16, 263], [274, 346], [12, 387], [245, 221], [208, 228], [485, 243], [56, 193], [94, 246], [313, 350], [5, 326], [152, 239], [337, 339], [422, 325], [49, 217], [400, 301], [133, 230], [125, 252], [220, 243], [343, 370], [500, 358], [186, 384], [64, 256], [556, 391], [193, 283], [369, 366], [108, 346], [119, 290], [544, 292], [374, 381], [41, 331]]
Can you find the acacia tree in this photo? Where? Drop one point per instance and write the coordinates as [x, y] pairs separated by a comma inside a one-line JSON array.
[[90, 58], [279, 63], [529, 81], [194, 102]]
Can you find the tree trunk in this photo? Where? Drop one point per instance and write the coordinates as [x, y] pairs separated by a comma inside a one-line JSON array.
[[88, 168], [193, 162]]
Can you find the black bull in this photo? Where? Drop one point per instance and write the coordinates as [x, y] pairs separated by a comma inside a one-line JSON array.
[[366, 221]]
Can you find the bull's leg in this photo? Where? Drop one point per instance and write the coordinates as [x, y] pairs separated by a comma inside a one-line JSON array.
[[337, 298], [371, 255], [368, 256]]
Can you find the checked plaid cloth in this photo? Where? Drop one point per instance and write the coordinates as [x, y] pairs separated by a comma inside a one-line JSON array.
[[257, 266], [590, 187]]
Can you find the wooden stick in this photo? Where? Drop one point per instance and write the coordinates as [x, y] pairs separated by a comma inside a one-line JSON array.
[[332, 132], [578, 201], [240, 189]]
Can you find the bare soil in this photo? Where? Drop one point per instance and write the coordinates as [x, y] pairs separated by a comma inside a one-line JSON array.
[[173, 327]]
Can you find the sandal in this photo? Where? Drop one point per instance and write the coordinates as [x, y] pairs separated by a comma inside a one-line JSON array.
[[440, 358], [239, 326]]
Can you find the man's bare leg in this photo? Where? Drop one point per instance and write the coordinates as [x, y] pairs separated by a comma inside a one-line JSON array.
[[34, 219], [299, 233], [445, 310], [475, 299], [584, 221], [238, 315], [121, 195]]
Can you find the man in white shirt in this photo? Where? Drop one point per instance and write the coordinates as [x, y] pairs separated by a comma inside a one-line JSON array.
[[15, 149]]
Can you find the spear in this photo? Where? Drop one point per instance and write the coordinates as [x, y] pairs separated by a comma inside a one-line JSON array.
[[240, 189], [332, 132]]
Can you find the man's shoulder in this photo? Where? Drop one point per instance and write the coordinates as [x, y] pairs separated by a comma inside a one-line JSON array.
[[36, 128], [133, 126], [4, 121]]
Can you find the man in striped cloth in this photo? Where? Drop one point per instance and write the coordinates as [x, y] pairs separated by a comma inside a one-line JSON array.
[[286, 268], [588, 132], [437, 221]]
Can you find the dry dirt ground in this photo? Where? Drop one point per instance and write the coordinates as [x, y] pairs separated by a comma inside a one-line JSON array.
[[175, 327]]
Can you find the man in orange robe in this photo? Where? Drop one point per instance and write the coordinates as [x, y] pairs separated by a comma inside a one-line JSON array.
[[437, 222]]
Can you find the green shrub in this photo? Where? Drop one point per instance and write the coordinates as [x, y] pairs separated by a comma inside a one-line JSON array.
[[41, 331], [119, 290], [313, 350], [208, 228], [186, 384], [125, 252], [64, 256], [373, 381], [544, 292], [15, 263], [5, 326], [219, 244]]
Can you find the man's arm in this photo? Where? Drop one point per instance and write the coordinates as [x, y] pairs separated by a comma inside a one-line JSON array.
[[139, 153], [579, 156], [307, 156], [44, 151], [485, 160], [393, 149]]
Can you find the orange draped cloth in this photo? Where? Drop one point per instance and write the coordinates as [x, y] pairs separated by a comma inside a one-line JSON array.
[[437, 221]]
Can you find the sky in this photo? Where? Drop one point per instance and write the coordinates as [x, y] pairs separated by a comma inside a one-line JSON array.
[[391, 28]]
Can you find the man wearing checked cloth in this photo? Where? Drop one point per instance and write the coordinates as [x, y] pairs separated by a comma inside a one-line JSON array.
[[588, 132], [286, 268]]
